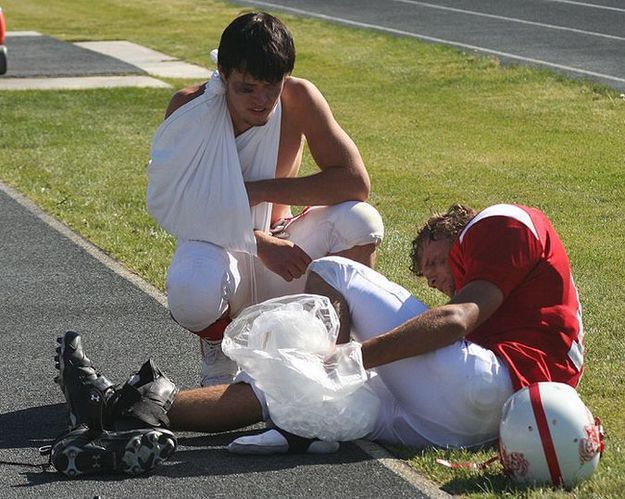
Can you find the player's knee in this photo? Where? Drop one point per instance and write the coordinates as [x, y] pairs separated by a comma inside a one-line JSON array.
[[334, 270], [355, 224], [198, 287], [195, 305]]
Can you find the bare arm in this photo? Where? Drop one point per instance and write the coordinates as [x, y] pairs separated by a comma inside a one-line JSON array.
[[433, 329], [436, 328], [342, 175]]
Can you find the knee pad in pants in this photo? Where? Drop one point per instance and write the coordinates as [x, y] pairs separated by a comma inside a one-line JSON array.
[[200, 282]]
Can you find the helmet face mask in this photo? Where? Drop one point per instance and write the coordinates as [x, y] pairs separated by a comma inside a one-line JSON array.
[[549, 437]]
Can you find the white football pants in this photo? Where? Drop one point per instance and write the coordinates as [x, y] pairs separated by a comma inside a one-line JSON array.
[[451, 397], [204, 280]]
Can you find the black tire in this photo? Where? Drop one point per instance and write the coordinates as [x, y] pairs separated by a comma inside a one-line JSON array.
[[3, 59]]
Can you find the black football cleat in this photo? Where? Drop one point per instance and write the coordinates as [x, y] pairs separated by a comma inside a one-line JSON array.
[[143, 400], [93, 400], [83, 451], [86, 390]]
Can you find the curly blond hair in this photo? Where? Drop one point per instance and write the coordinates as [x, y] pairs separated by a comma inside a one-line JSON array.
[[439, 226]]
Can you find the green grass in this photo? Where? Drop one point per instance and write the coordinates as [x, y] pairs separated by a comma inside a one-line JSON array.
[[434, 125]]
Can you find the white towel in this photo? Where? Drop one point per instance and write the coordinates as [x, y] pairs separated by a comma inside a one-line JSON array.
[[197, 171]]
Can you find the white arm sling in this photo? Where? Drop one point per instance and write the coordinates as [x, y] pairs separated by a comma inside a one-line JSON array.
[[197, 171]]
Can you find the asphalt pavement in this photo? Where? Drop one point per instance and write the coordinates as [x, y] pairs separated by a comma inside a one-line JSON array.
[[581, 39], [33, 54], [51, 281]]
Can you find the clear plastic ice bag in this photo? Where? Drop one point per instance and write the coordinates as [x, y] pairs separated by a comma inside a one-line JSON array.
[[314, 388]]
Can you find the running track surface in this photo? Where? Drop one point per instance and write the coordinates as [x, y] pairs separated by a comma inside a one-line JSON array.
[[582, 39]]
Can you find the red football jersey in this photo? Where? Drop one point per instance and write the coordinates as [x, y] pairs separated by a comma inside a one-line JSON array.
[[538, 329]]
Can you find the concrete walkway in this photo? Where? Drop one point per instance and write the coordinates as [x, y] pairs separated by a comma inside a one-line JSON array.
[[39, 62], [152, 62]]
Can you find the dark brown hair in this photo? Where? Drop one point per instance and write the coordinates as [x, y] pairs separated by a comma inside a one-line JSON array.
[[259, 44], [439, 226]]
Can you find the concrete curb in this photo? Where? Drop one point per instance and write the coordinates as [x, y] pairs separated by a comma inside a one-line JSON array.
[[399, 467]]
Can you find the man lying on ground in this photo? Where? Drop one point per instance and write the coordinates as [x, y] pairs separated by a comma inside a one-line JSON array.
[[513, 318]]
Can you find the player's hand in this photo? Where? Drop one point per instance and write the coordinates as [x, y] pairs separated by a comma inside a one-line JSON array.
[[281, 256]]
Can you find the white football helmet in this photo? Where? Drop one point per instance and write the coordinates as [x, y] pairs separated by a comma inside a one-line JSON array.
[[548, 436]]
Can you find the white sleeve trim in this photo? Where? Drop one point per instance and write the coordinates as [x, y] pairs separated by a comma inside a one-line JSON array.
[[502, 210]]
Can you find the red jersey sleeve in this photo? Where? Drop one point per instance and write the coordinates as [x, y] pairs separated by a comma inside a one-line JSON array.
[[500, 250]]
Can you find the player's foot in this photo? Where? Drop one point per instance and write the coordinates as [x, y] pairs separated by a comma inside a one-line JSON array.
[[143, 401], [278, 441], [217, 368], [85, 389], [85, 451]]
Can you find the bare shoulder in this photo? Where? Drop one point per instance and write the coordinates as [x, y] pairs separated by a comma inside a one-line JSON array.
[[304, 103], [299, 92], [181, 97]]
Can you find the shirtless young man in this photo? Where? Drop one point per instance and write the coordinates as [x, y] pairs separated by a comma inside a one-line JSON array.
[[514, 318], [221, 266]]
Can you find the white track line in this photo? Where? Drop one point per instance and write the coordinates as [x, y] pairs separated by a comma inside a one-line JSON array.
[[591, 5], [440, 40], [510, 19]]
